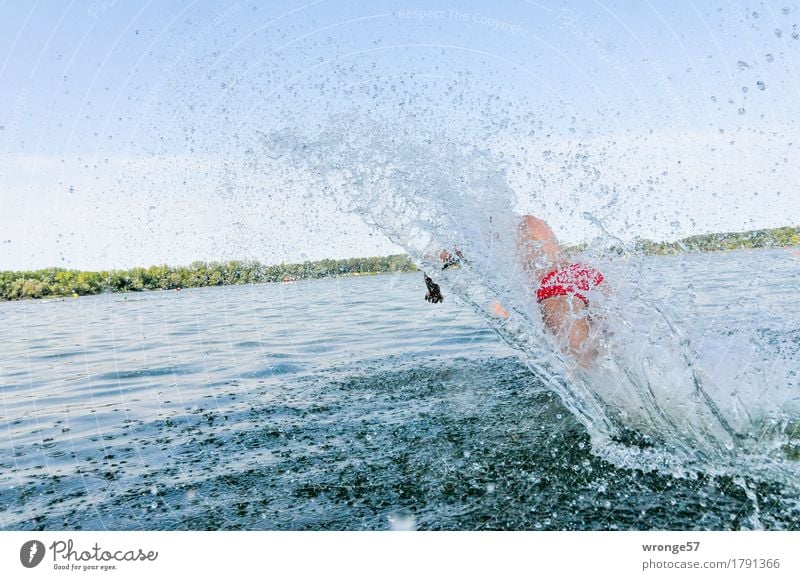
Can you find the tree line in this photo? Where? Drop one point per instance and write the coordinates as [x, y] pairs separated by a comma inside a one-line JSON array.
[[766, 238], [62, 282]]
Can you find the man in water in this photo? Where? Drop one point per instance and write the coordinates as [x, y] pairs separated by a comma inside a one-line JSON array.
[[561, 286]]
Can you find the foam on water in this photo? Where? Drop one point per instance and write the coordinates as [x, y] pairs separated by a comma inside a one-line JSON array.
[[651, 400]]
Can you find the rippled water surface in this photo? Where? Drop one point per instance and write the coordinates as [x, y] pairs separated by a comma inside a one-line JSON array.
[[353, 404]]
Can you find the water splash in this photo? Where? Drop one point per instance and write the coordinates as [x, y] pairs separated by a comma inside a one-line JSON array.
[[645, 401]]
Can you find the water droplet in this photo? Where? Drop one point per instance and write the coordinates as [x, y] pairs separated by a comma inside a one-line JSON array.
[[742, 111], [778, 32], [402, 522], [713, 99], [742, 65], [756, 14], [769, 57], [761, 86], [745, 89], [72, 189]]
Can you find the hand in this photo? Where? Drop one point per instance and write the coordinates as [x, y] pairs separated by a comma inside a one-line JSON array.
[[434, 293], [449, 259], [496, 309]]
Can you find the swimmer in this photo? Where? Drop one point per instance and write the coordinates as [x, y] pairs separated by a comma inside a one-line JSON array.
[[560, 285]]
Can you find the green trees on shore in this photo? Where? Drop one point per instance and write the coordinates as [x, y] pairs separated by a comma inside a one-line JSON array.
[[61, 282], [771, 238]]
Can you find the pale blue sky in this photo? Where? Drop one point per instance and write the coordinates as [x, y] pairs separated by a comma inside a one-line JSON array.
[[85, 86]]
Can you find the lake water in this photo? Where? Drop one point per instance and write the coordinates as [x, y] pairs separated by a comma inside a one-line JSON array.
[[353, 404]]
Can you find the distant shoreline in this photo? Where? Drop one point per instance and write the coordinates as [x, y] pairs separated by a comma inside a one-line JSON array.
[[59, 282]]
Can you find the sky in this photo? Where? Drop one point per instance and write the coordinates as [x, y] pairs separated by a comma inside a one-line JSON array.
[[132, 133]]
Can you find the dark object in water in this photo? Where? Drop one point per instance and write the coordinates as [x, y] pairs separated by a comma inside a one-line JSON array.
[[434, 294]]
